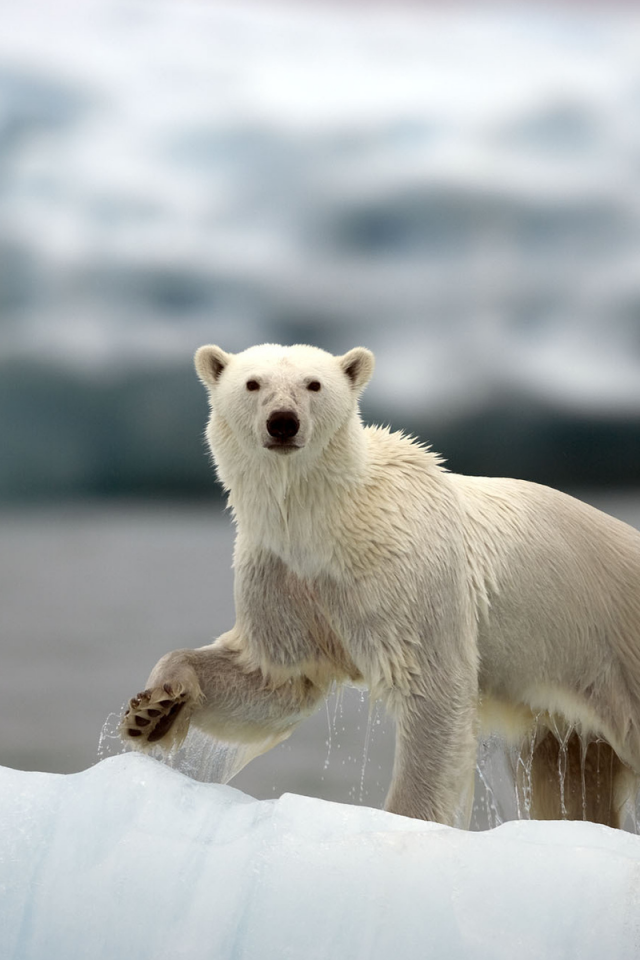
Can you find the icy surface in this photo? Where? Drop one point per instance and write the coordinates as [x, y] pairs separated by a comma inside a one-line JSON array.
[[131, 858]]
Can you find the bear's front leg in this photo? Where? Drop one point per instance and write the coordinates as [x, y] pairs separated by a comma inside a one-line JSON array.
[[435, 756], [212, 688]]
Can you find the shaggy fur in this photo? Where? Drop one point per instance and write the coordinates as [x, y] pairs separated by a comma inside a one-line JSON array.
[[464, 603]]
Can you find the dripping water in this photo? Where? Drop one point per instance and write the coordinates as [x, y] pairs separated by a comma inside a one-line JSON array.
[[331, 730], [583, 775], [207, 759], [338, 708], [109, 742], [367, 742], [524, 774], [505, 776], [200, 757], [484, 769], [562, 736]]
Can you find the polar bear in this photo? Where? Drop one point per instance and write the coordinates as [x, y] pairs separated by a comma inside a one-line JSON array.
[[463, 603]]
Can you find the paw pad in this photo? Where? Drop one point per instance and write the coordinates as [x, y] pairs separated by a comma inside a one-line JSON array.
[[151, 713]]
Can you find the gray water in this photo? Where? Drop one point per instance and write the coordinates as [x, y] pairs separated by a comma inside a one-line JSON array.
[[92, 595]]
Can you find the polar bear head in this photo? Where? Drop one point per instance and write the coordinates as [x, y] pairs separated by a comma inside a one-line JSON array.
[[281, 401]]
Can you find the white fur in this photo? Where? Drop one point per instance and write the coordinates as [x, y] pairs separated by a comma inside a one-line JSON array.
[[359, 557]]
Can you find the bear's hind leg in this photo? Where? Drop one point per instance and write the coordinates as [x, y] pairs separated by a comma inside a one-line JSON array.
[[571, 780]]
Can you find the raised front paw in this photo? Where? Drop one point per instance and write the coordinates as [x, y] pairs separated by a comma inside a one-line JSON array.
[[152, 715]]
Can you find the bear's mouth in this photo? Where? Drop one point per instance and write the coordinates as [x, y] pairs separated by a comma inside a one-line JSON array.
[[282, 446]]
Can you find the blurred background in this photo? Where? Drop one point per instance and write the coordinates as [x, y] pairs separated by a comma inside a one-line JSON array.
[[455, 187]]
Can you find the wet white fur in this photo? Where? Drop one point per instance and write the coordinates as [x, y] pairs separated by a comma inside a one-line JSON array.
[[458, 601]]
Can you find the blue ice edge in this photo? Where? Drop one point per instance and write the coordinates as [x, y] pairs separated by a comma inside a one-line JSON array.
[[133, 859]]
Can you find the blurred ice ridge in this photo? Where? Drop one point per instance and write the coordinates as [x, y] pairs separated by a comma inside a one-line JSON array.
[[133, 859]]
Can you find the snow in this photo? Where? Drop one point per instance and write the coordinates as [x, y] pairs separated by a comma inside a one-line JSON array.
[[132, 858]]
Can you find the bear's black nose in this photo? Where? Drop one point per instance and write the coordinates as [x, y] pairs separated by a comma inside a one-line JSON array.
[[283, 424]]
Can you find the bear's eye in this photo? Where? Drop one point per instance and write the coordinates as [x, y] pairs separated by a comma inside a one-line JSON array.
[[253, 385], [314, 385]]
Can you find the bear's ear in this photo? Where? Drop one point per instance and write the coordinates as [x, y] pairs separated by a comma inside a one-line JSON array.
[[210, 361], [358, 365]]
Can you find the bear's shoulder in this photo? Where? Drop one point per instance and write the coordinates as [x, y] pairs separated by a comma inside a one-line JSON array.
[[395, 450]]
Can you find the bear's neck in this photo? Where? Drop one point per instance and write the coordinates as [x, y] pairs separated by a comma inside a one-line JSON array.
[[292, 505]]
